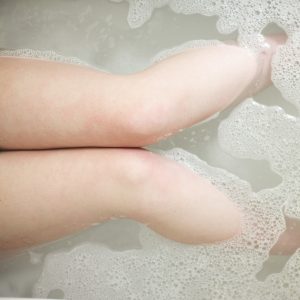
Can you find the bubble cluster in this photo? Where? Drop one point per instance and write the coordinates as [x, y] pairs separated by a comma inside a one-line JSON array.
[[188, 45], [286, 66], [246, 16], [259, 132], [38, 54]]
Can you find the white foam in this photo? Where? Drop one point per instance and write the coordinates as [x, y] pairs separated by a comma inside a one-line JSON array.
[[38, 54], [195, 44], [286, 66], [259, 132]]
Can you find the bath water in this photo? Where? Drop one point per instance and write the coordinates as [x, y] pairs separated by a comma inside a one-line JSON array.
[[250, 151]]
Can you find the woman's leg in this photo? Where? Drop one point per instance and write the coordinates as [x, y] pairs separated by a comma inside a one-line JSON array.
[[53, 105], [45, 195]]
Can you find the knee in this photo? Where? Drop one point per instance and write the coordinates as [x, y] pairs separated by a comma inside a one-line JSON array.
[[137, 168], [175, 202], [146, 117], [147, 123]]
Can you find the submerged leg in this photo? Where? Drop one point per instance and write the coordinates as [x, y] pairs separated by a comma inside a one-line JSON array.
[[53, 105], [45, 195]]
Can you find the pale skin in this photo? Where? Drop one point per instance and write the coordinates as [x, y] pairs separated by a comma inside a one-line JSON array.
[[47, 192]]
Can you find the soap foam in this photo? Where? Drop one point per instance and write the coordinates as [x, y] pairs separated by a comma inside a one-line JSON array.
[[195, 44], [38, 54], [246, 16], [286, 66], [259, 132]]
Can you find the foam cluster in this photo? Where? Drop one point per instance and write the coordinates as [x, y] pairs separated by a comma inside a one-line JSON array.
[[38, 54], [195, 44], [246, 16], [286, 66], [259, 132]]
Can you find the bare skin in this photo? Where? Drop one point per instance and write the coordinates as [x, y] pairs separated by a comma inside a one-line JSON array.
[[72, 106], [47, 194], [82, 187]]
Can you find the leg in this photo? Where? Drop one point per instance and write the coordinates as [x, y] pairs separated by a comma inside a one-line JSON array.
[[51, 105], [45, 195], [289, 241]]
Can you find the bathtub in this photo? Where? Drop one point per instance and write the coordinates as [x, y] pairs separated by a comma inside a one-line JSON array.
[[97, 32]]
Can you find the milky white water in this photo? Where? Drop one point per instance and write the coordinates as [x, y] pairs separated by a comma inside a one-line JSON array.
[[251, 152]]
